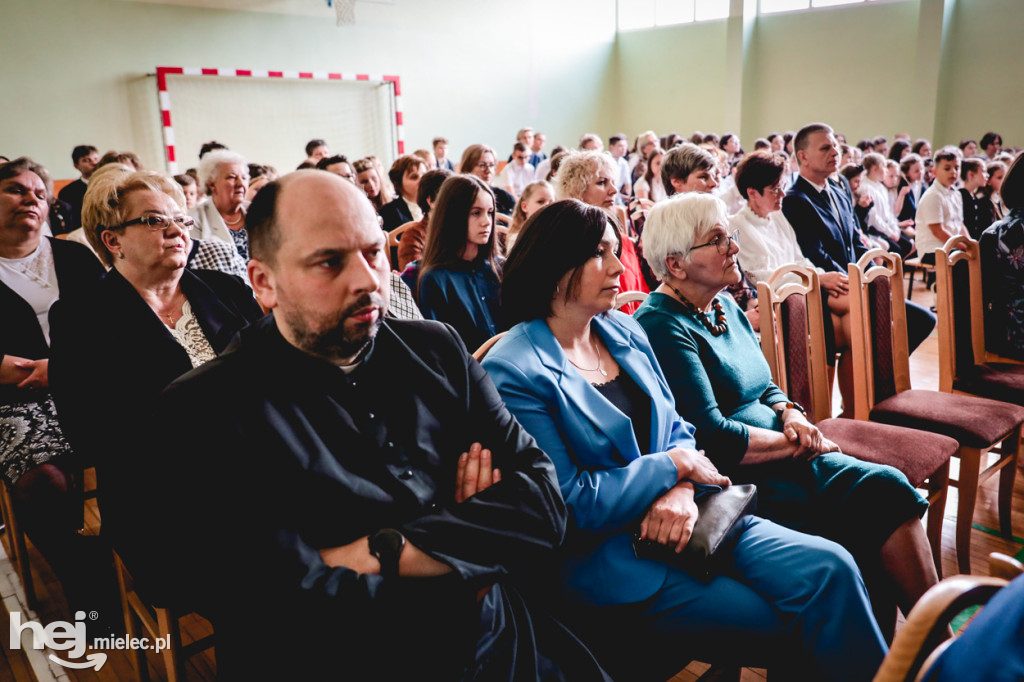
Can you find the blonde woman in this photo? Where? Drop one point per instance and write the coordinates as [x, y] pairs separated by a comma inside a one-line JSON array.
[[535, 196]]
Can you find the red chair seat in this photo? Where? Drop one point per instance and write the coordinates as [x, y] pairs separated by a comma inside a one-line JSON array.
[[918, 454], [997, 380], [972, 421]]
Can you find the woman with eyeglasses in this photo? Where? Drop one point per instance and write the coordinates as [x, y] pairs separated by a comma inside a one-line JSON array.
[[581, 378], [36, 462], [480, 160], [769, 242], [750, 429], [117, 344]]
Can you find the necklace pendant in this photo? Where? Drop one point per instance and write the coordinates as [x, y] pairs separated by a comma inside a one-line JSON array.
[[603, 373]]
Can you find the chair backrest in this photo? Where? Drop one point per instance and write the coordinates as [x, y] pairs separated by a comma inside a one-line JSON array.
[[626, 297], [958, 300], [924, 635], [480, 352], [793, 337], [393, 237], [1004, 566], [878, 326]]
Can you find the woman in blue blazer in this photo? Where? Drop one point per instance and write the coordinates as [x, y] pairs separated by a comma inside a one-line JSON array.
[[583, 380]]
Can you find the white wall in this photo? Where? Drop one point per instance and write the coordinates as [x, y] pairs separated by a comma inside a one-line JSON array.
[[472, 70]]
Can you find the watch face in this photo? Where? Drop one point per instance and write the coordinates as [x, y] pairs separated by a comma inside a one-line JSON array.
[[387, 541]]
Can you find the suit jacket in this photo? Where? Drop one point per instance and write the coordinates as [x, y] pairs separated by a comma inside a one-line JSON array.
[[394, 214], [110, 358], [829, 243], [607, 483], [301, 456], [20, 333], [74, 194]]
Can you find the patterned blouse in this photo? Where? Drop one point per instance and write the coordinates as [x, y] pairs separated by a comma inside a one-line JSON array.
[[1002, 272], [190, 335]]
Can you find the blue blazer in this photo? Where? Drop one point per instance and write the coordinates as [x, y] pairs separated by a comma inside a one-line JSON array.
[[829, 244], [606, 483]]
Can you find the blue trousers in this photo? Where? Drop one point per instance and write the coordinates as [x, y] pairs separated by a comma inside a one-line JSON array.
[[793, 602]]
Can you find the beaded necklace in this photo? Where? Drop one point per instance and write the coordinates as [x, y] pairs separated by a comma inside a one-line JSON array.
[[719, 327]]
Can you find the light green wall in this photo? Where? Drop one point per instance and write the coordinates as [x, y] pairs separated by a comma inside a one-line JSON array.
[[475, 71], [868, 70], [984, 87], [848, 66], [670, 79]]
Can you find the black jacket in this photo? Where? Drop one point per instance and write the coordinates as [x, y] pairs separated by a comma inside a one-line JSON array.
[[111, 356], [394, 214], [20, 333], [827, 242], [300, 457]]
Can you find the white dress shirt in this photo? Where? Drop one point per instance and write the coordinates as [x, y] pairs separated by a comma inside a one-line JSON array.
[[766, 244]]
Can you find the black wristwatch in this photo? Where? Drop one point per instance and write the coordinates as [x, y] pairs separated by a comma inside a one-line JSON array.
[[387, 545]]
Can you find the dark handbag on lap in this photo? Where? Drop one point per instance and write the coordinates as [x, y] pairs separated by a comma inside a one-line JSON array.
[[717, 528]]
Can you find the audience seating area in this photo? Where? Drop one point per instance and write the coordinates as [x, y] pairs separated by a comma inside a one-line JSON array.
[[956, 437]]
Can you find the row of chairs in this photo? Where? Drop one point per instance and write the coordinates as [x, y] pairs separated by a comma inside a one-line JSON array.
[[979, 407]]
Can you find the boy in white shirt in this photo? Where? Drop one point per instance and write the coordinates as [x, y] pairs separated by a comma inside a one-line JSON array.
[[940, 213], [518, 172]]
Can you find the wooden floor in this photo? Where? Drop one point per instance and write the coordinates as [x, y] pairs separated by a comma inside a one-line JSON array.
[[15, 665]]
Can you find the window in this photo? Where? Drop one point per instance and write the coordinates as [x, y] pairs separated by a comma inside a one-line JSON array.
[[637, 14], [772, 6]]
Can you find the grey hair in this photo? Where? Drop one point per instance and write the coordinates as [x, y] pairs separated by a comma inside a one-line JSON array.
[[578, 169], [675, 224], [211, 162]]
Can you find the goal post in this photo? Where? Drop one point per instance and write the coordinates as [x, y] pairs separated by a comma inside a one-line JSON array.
[[269, 116]]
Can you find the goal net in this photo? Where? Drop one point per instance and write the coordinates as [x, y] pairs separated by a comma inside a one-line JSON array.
[[269, 120]]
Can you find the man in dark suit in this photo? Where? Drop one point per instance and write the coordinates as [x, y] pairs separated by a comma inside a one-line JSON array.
[[822, 215], [333, 530], [85, 157]]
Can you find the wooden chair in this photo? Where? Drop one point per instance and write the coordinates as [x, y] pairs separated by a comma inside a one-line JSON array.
[[1004, 566], [964, 364], [882, 393], [480, 352], [793, 342], [626, 297], [923, 636], [393, 237], [912, 265], [157, 621], [16, 547]]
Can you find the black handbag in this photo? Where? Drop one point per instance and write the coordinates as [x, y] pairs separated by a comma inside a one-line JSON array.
[[718, 527]]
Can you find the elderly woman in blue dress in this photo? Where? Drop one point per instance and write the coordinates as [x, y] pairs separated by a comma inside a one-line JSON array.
[[583, 380], [748, 426]]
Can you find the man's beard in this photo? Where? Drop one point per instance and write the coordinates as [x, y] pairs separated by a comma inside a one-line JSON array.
[[327, 338]]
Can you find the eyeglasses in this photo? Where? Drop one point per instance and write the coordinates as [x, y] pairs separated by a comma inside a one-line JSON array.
[[722, 243], [484, 165], [155, 222]]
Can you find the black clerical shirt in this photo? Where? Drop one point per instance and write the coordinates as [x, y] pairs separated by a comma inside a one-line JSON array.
[[298, 456]]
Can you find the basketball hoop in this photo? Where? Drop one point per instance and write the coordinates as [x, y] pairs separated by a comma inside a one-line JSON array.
[[345, 11]]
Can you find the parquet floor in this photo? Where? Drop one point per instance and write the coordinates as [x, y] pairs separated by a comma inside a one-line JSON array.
[[16, 665]]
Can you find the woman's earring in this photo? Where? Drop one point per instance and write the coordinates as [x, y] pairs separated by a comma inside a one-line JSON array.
[[556, 289], [120, 255]]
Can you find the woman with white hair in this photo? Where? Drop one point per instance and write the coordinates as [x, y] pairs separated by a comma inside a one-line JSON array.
[[750, 429], [225, 175]]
